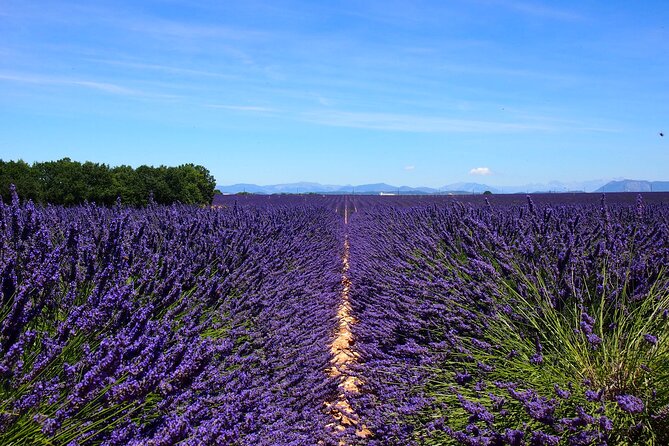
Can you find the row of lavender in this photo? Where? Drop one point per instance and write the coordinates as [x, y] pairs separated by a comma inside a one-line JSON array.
[[524, 324], [167, 325], [407, 201]]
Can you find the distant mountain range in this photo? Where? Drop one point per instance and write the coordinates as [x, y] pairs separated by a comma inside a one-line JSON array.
[[601, 186], [635, 186]]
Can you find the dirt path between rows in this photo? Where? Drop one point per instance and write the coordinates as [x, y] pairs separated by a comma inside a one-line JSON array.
[[344, 355]]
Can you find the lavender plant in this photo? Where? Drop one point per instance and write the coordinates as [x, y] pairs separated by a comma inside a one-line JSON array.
[[477, 323], [167, 325], [512, 325], [558, 370]]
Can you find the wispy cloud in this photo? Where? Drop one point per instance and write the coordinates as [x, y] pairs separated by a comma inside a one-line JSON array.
[[49, 80], [324, 101], [409, 168], [243, 108], [162, 68], [417, 123], [536, 9], [186, 30], [103, 86], [233, 42], [488, 70], [480, 171]]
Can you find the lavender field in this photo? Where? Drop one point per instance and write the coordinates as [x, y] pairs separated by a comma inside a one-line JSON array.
[[337, 320]]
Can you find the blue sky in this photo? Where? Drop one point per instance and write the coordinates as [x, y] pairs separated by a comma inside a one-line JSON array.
[[406, 92]]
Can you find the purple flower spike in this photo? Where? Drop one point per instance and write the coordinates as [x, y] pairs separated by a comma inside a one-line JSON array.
[[540, 438], [650, 339], [630, 403], [463, 378], [593, 396], [564, 394], [594, 341]]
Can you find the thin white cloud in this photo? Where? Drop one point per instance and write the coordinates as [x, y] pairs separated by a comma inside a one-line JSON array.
[[536, 9], [243, 108], [48, 80], [513, 72], [417, 123], [104, 86], [409, 168], [162, 68], [480, 171], [324, 101], [185, 36], [184, 30]]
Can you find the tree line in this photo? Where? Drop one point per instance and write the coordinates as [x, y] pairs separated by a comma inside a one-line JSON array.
[[70, 182]]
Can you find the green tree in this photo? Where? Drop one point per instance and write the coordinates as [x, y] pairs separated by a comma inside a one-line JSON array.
[[70, 182], [99, 184], [126, 186], [62, 181], [23, 177]]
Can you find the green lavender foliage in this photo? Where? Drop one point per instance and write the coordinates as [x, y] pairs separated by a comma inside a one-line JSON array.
[[533, 344]]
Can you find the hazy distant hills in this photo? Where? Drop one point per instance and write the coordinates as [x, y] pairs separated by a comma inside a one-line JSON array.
[[635, 186], [454, 188], [306, 188]]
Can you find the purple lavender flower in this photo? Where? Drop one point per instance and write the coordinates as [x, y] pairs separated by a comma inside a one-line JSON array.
[[584, 438], [537, 407], [605, 423], [650, 339], [463, 378], [481, 344], [485, 367], [587, 319], [583, 419], [564, 394], [537, 358], [594, 341], [480, 386], [630, 403], [594, 396], [514, 437], [478, 411], [497, 401], [540, 438]]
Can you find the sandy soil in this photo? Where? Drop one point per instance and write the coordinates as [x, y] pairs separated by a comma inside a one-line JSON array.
[[344, 356]]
